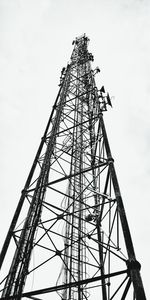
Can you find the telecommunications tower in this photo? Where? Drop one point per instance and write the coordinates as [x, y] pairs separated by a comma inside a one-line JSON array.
[[69, 238]]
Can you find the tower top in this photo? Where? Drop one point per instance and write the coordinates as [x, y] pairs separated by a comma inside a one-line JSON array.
[[81, 38]]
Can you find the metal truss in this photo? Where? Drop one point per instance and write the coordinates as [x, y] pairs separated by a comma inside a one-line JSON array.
[[69, 235]]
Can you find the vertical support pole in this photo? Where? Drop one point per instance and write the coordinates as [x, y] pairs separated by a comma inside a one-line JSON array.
[[132, 264], [22, 198]]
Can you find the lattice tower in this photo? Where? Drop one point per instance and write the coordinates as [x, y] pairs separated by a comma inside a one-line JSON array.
[[70, 232]]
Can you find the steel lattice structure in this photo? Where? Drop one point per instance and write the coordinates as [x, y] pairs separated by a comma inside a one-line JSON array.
[[69, 235]]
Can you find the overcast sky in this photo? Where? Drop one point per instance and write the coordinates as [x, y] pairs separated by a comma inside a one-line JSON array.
[[35, 43]]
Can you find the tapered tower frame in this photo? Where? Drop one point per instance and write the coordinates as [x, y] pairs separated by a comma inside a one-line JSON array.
[[70, 227]]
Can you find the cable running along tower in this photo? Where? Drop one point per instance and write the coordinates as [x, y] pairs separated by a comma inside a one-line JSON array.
[[69, 238]]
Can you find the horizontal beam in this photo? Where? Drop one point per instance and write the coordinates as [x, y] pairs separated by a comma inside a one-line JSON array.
[[78, 173], [73, 175], [66, 286], [76, 125]]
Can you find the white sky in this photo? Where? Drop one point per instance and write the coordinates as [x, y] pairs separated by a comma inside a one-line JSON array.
[[35, 43]]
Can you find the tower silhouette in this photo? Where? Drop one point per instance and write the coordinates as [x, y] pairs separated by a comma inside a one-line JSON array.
[[69, 237]]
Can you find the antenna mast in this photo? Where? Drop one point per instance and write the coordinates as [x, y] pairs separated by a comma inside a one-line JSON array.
[[70, 228]]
